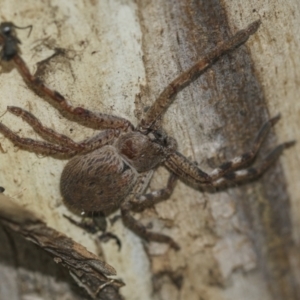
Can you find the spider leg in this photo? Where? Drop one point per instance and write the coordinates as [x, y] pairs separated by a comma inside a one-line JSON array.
[[135, 225], [45, 132], [95, 224], [98, 119], [142, 202], [252, 172], [246, 158], [36, 146], [89, 144], [182, 167], [165, 99], [141, 230]]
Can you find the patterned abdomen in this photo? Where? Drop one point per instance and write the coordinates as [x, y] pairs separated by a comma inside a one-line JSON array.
[[97, 182]]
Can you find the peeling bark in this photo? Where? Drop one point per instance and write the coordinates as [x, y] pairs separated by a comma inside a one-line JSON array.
[[85, 267]]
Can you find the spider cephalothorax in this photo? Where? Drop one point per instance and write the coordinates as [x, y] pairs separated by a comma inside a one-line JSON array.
[[112, 169]]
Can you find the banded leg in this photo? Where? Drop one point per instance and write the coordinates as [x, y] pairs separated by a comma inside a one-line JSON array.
[[49, 134], [141, 230], [150, 199], [185, 169], [246, 158], [165, 99], [36, 146], [252, 172], [97, 119]]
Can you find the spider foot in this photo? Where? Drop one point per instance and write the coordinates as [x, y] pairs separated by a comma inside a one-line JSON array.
[[88, 224], [95, 224], [139, 229], [255, 172], [106, 236]]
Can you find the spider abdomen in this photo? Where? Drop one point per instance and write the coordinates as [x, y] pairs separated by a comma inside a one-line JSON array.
[[97, 182]]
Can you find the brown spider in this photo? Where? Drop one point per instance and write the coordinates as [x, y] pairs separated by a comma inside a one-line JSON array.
[[112, 169]]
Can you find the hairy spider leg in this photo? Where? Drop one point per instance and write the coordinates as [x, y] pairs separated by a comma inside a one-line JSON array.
[[99, 119], [245, 159], [146, 200], [129, 205], [182, 167], [142, 231], [89, 144], [65, 144], [9, 42], [37, 146], [166, 98], [252, 172]]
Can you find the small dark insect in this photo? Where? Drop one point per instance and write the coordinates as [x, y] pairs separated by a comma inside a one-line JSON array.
[[10, 46], [112, 169]]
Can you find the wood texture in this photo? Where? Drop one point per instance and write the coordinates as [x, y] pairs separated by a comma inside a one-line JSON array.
[[116, 57]]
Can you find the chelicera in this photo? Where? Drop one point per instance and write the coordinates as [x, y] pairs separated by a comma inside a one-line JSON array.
[[112, 169]]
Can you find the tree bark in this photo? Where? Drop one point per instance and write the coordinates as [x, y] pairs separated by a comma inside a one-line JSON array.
[[116, 57]]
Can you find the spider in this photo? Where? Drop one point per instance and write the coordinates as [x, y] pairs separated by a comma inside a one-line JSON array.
[[112, 169]]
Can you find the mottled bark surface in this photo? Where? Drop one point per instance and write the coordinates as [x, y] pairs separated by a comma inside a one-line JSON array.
[[116, 57]]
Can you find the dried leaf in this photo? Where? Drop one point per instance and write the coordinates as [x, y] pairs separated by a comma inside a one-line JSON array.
[[85, 267]]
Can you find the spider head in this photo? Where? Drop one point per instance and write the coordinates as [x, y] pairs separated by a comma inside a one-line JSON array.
[[145, 152]]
